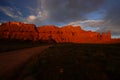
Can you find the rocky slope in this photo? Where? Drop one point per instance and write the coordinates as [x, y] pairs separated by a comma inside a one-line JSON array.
[[51, 33]]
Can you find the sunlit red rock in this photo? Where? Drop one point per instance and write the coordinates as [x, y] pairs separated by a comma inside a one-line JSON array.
[[19, 31], [51, 33], [71, 34]]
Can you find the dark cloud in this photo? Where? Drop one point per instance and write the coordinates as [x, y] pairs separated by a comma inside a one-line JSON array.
[[71, 10], [112, 17], [63, 12]]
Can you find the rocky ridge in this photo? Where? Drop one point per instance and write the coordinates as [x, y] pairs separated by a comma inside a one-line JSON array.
[[51, 33]]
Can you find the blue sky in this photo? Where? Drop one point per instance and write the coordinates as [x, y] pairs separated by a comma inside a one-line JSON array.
[[95, 15]]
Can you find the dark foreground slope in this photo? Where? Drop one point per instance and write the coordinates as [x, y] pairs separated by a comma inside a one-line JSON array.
[[11, 45], [75, 62], [12, 62]]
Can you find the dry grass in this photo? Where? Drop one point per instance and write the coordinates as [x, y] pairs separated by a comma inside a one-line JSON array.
[[75, 62]]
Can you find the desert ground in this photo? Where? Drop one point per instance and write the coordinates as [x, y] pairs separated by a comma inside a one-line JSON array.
[[75, 62], [11, 62], [62, 62]]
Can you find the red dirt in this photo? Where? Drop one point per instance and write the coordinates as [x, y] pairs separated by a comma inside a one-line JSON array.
[[11, 61]]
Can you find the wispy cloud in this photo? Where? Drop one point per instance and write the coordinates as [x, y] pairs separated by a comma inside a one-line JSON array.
[[37, 15], [97, 25], [15, 14], [36, 19], [8, 11], [11, 12], [93, 25], [19, 13], [87, 22]]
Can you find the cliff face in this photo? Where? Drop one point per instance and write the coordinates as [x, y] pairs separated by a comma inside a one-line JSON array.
[[71, 34], [51, 33], [18, 30]]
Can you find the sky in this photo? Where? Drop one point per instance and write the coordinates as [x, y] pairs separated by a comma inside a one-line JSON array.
[[95, 15]]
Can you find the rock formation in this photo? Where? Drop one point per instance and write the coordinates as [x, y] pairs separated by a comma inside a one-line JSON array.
[[51, 33], [19, 31], [71, 34]]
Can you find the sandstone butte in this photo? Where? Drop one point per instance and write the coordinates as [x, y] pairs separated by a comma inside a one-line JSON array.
[[51, 33]]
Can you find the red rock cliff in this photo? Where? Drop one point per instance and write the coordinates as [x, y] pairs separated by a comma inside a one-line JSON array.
[[71, 34], [51, 33], [18, 30]]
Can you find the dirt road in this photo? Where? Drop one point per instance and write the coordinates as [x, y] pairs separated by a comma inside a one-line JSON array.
[[11, 61]]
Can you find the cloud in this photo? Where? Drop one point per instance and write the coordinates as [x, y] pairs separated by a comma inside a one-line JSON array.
[[112, 16], [116, 36], [32, 17], [67, 11], [93, 25], [8, 11], [97, 25], [70, 10], [37, 16], [43, 15], [42, 12], [11, 12], [19, 13], [97, 15]]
